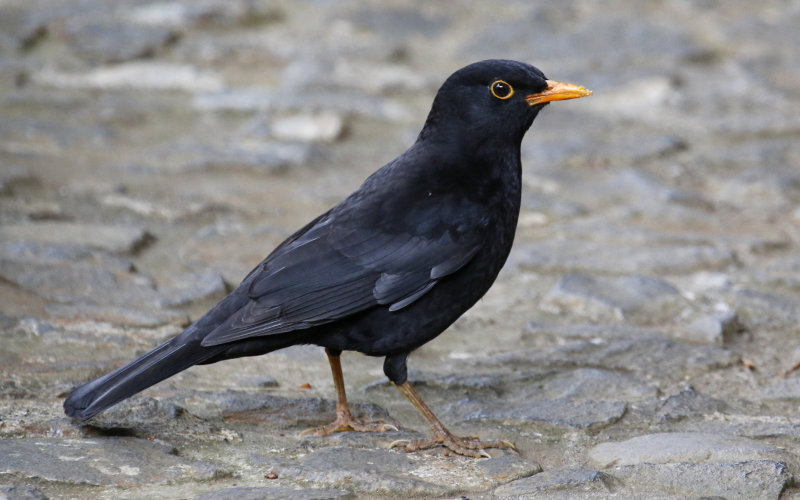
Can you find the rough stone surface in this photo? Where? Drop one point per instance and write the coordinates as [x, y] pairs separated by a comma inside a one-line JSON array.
[[685, 447], [741, 480], [641, 298], [109, 461], [638, 343], [97, 236], [392, 473], [19, 492], [256, 493], [562, 483]]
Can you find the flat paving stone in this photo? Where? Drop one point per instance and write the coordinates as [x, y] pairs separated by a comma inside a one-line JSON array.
[[275, 493], [690, 447], [738, 480], [112, 238], [388, 472], [559, 483], [572, 256], [632, 298], [102, 461]]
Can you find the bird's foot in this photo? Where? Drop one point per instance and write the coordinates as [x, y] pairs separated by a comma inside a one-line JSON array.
[[467, 446], [344, 423]]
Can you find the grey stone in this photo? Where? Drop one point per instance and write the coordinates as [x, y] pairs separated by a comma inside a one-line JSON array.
[[543, 207], [29, 136], [320, 127], [758, 427], [704, 281], [255, 155], [136, 411], [378, 79], [627, 149], [217, 14], [115, 42], [346, 103], [169, 209], [12, 177], [694, 447], [22, 28], [593, 383], [24, 251], [20, 492], [581, 256], [651, 355], [17, 209], [82, 282], [234, 99], [639, 298], [782, 389], [689, 403], [647, 193], [561, 412], [255, 408], [388, 472], [581, 398], [580, 383], [101, 461], [605, 331], [111, 238], [776, 189], [399, 23], [134, 75], [767, 308], [559, 483], [715, 328], [508, 467], [639, 357], [743, 480], [145, 316], [275, 493], [191, 287]]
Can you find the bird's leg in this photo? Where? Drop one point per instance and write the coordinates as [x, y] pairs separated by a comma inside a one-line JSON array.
[[344, 420], [468, 446]]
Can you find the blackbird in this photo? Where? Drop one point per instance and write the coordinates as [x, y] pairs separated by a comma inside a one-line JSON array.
[[387, 269]]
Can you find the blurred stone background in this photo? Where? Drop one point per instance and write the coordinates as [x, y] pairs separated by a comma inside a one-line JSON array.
[[636, 344]]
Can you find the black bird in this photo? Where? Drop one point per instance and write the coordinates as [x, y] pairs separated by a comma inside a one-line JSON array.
[[387, 269]]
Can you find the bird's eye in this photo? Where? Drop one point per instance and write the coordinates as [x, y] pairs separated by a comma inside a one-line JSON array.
[[501, 89]]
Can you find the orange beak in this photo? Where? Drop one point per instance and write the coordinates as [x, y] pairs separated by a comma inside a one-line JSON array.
[[557, 91]]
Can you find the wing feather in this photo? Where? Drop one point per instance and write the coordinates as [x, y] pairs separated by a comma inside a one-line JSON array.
[[347, 261]]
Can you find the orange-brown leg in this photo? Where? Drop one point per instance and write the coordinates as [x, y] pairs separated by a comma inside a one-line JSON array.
[[344, 420], [468, 446]]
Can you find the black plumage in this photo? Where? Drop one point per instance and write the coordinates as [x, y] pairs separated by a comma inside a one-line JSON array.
[[391, 266]]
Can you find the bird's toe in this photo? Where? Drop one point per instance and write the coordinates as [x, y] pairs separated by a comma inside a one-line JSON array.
[[349, 424]]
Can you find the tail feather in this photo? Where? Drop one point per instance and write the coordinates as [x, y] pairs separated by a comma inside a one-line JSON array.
[[169, 358]]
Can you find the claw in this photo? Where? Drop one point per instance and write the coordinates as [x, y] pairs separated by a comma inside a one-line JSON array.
[[398, 442], [470, 447], [467, 446], [307, 432]]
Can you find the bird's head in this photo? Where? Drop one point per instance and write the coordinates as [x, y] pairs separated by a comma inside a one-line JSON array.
[[492, 100]]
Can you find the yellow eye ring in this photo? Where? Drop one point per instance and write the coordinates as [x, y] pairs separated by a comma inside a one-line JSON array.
[[501, 89]]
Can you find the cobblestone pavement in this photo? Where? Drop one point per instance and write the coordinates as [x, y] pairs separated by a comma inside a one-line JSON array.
[[634, 346]]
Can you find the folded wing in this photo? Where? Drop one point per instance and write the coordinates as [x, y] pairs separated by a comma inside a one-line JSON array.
[[332, 269]]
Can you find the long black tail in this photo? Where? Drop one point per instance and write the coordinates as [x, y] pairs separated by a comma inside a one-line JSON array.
[[171, 357]]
